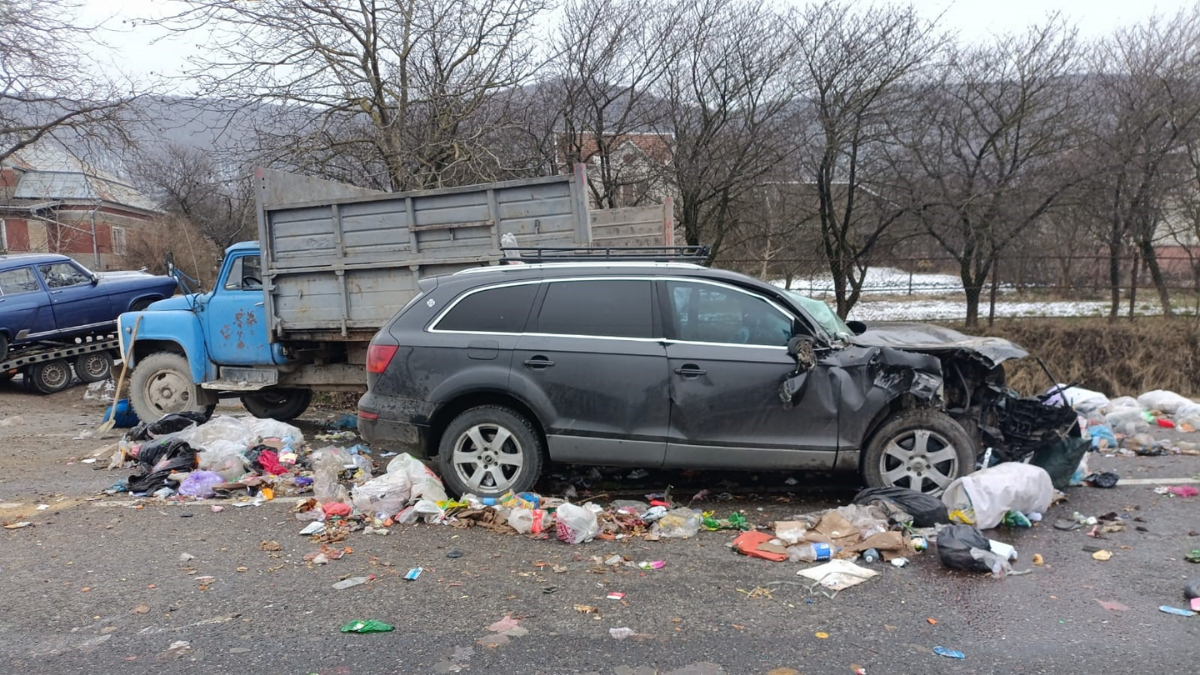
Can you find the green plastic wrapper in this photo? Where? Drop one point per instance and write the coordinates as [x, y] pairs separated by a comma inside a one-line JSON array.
[[367, 626]]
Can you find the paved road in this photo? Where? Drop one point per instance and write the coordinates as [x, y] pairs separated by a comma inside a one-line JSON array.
[[98, 587]]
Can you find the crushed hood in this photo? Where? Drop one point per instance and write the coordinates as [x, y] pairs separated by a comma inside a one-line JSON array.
[[930, 339]]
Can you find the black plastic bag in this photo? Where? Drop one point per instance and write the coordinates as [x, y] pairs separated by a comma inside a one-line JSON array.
[[954, 544], [926, 510], [168, 424], [157, 460], [1060, 459]]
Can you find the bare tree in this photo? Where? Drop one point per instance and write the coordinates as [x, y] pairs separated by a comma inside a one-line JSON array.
[[405, 83], [983, 159], [860, 66], [608, 55], [188, 184], [47, 89], [1148, 91], [725, 100]]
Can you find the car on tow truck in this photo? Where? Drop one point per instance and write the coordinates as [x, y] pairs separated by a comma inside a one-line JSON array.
[[497, 371], [50, 305]]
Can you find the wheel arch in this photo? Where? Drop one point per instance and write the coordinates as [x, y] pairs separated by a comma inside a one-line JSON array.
[[446, 412]]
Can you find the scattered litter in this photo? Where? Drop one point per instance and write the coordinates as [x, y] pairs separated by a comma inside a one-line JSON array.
[[931, 621], [177, 649], [185, 557], [621, 633], [586, 609], [1038, 560], [652, 565], [990, 493], [1183, 491], [1102, 555], [367, 626], [351, 582], [615, 596], [1176, 611], [413, 574], [837, 575], [503, 625], [821, 636], [17, 526], [314, 527], [899, 562], [948, 653], [12, 421], [1113, 606]]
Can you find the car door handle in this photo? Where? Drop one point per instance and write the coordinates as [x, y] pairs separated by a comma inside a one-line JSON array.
[[690, 370], [538, 362]]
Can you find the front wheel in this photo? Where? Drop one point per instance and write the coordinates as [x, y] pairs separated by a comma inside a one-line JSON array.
[[490, 450], [284, 405], [162, 384], [922, 450]]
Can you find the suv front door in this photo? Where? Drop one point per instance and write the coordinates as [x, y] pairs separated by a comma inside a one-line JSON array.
[[592, 364], [727, 355]]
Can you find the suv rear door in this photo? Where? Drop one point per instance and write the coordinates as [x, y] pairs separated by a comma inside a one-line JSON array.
[[727, 355], [593, 366]]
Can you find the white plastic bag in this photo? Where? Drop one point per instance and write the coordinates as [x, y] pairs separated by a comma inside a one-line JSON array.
[[1123, 403], [229, 431], [382, 496], [425, 483], [526, 521], [1084, 401], [576, 524], [1011, 486], [1167, 402], [1127, 421], [269, 428]]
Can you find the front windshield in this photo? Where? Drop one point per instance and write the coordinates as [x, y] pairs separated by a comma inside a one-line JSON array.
[[823, 315]]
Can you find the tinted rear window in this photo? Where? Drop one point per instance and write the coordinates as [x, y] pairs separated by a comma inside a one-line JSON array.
[[496, 310], [601, 308]]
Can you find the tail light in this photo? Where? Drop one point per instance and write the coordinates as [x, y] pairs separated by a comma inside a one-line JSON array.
[[379, 356]]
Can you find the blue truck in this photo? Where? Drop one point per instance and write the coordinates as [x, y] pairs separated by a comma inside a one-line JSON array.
[[293, 313]]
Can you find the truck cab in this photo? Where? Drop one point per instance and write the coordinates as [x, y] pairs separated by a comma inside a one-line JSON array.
[[188, 351]]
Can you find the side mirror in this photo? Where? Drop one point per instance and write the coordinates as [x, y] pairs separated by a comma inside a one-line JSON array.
[[857, 326], [95, 278], [800, 348]]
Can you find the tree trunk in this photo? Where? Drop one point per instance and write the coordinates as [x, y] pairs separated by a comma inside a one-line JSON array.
[[973, 291], [1133, 283], [992, 298], [1114, 278], [1156, 275]]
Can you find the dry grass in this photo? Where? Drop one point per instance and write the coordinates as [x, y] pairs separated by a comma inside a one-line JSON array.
[[1118, 359]]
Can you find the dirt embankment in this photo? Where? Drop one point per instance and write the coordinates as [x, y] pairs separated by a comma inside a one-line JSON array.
[[1118, 359]]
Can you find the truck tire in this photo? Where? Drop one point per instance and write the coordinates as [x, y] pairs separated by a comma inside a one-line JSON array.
[[94, 367], [471, 461], [284, 405], [922, 450], [3, 346], [49, 377], [162, 384]]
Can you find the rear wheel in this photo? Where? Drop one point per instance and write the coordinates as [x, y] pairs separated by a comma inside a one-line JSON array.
[[3, 346], [162, 384], [94, 367], [49, 377], [490, 450], [284, 405], [922, 450]]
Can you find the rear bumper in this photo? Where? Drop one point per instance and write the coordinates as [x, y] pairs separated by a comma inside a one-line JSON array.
[[394, 424]]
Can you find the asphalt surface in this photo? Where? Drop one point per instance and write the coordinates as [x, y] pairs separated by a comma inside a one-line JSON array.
[[99, 586]]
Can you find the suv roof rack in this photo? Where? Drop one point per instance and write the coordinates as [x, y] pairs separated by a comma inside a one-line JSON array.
[[522, 254]]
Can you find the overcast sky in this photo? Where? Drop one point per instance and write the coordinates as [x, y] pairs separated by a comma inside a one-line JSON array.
[[134, 51]]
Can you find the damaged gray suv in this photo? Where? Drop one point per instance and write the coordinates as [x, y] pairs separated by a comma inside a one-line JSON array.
[[498, 370]]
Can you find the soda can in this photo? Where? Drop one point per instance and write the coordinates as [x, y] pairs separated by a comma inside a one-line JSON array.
[[413, 574]]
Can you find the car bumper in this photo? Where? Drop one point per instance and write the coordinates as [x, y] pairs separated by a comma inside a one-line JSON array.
[[394, 424]]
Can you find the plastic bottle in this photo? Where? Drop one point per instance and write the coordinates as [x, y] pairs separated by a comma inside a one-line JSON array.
[[810, 552], [870, 556]]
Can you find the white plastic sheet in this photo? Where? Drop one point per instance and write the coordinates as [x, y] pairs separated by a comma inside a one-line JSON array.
[[1011, 486], [1163, 401]]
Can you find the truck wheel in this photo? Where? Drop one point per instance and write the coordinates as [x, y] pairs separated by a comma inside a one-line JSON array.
[[3, 346], [49, 377], [922, 450], [162, 384], [490, 450], [94, 367], [284, 405]]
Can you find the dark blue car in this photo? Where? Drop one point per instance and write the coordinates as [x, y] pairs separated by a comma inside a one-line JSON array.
[[47, 297]]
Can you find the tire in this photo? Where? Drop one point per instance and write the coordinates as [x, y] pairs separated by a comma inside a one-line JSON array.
[[49, 377], [94, 367], [521, 451], [162, 384], [896, 455], [284, 405], [3, 346]]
